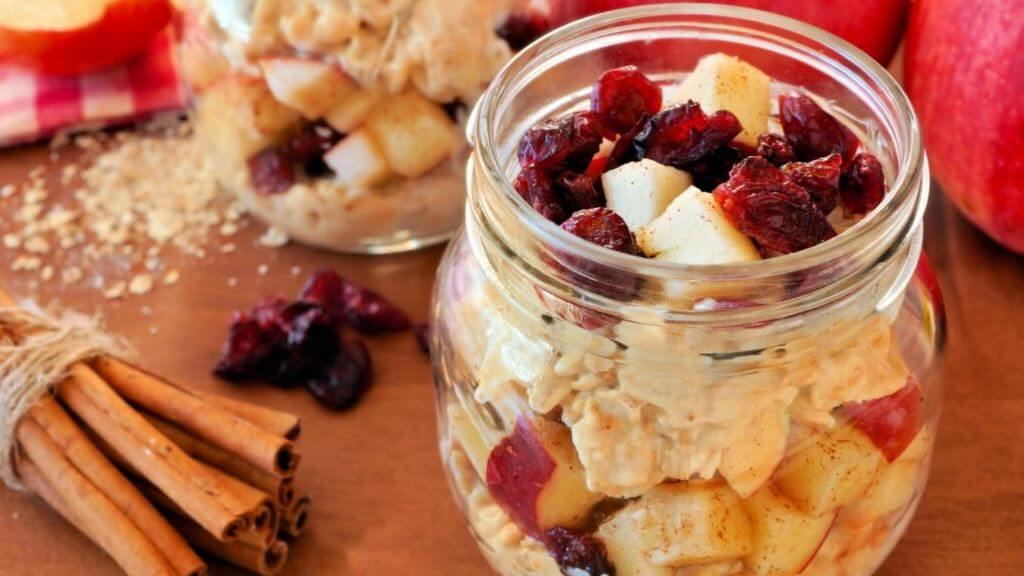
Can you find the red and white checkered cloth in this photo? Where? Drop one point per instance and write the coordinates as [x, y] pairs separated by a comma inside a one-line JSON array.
[[34, 106]]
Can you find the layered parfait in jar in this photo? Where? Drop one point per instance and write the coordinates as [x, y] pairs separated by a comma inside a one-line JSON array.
[[340, 122], [682, 333]]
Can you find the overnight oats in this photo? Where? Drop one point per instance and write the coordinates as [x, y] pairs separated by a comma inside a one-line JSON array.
[[340, 122], [688, 329]]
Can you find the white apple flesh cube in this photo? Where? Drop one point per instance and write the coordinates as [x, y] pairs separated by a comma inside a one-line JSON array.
[[640, 191], [357, 161], [414, 133], [536, 475], [694, 523], [786, 538], [749, 463], [621, 537], [309, 86], [238, 117], [350, 112], [723, 82], [896, 484], [694, 230], [829, 470]]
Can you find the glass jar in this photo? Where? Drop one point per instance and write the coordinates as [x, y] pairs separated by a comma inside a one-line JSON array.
[[602, 410], [340, 124]]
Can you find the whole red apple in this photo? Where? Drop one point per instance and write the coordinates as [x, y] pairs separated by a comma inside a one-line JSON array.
[[60, 37], [965, 75], [874, 26]]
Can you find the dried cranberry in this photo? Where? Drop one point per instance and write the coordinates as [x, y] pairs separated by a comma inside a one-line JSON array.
[[578, 553], [621, 97], [597, 167], [537, 188], [312, 142], [820, 178], [863, 185], [685, 135], [422, 334], [812, 131], [625, 150], [579, 191], [766, 205], [347, 380], [715, 167], [603, 227], [362, 308], [522, 28], [775, 149], [565, 143], [271, 171], [255, 340], [311, 346]]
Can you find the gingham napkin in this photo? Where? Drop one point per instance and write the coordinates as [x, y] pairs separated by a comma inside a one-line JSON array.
[[34, 106]]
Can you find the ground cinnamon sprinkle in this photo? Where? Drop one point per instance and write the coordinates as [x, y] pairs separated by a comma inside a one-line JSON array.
[[138, 195]]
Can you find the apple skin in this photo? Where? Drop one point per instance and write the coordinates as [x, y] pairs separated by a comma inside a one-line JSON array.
[[892, 422], [964, 72], [874, 26], [124, 30]]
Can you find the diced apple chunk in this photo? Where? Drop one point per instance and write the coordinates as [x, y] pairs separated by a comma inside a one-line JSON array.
[[640, 191], [350, 112], [829, 470], [723, 82], [621, 537], [238, 116], [309, 86], [693, 230], [414, 133], [748, 464], [694, 523], [786, 539], [896, 484], [536, 475], [357, 161]]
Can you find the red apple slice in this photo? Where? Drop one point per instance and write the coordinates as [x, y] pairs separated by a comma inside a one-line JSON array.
[[891, 421], [61, 37], [786, 539], [536, 475]]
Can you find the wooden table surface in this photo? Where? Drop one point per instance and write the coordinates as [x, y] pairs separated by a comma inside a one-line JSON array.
[[381, 503]]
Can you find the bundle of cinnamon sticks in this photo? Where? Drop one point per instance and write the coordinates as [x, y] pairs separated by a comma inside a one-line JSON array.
[[152, 472]]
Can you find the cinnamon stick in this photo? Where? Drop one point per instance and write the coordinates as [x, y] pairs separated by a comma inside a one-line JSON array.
[[265, 559], [99, 518], [279, 487], [205, 420], [149, 452], [277, 422], [295, 518], [95, 467]]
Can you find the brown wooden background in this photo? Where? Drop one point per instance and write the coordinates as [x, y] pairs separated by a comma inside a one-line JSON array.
[[381, 503]]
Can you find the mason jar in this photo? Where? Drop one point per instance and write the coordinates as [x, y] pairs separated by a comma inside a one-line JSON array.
[[604, 413]]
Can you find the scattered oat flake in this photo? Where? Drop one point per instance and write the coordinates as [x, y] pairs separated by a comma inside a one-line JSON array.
[[71, 275], [262, 269], [296, 270], [140, 284], [116, 291], [46, 273], [154, 330], [273, 238], [172, 277], [227, 249], [232, 281], [37, 245], [11, 241], [26, 263]]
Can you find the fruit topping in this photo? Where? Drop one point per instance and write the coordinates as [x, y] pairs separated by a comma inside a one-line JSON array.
[[763, 203], [271, 171], [253, 340], [892, 421], [812, 131], [863, 185], [536, 187], [565, 143], [579, 191], [685, 135], [715, 167], [522, 28], [621, 97], [775, 149], [346, 380], [603, 227], [310, 144], [362, 308], [578, 554], [820, 178]]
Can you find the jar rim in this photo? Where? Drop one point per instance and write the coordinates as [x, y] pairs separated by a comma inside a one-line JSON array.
[[904, 189]]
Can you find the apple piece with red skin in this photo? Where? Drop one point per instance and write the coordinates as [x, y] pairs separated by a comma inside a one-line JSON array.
[[964, 72], [535, 474], [891, 422], [69, 38], [875, 26]]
